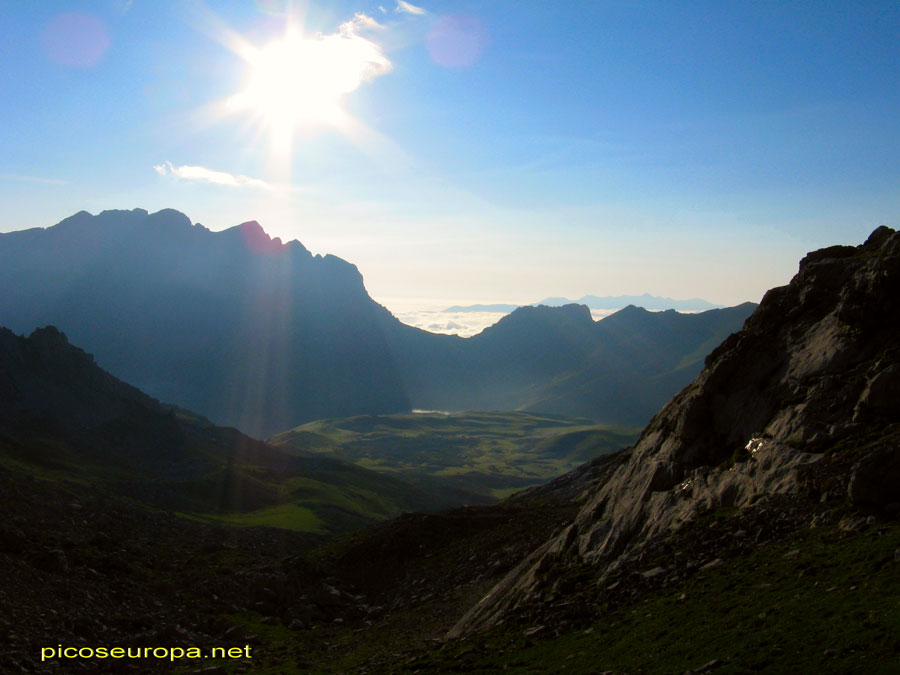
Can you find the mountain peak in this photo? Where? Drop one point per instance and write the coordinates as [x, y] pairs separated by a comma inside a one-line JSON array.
[[166, 221], [256, 239], [879, 235], [633, 309], [571, 311], [48, 335]]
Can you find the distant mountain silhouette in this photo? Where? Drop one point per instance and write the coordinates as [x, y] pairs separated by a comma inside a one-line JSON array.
[[646, 301], [262, 335], [558, 360], [247, 330]]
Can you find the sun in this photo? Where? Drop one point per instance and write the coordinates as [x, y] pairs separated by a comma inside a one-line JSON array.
[[300, 81]]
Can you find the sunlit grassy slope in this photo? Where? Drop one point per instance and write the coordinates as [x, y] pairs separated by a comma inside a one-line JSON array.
[[491, 453]]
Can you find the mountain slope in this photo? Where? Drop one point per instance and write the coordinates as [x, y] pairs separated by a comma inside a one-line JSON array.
[[790, 418], [63, 418]]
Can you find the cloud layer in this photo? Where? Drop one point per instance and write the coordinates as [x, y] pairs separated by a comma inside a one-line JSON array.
[[464, 324]]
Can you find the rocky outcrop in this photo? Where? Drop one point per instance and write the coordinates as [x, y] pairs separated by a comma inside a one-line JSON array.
[[815, 368]]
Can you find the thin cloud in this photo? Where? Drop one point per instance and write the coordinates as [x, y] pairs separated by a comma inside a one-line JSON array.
[[406, 8], [362, 60], [204, 175], [359, 22], [35, 179]]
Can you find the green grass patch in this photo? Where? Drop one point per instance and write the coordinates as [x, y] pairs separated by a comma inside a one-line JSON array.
[[823, 603], [490, 453]]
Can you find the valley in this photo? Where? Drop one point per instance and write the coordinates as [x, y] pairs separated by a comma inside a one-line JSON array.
[[494, 453]]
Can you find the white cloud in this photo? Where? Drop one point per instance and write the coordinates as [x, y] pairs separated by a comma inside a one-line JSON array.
[[359, 22], [464, 324], [407, 8], [204, 175]]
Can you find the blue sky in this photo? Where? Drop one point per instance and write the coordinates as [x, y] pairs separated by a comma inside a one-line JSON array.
[[492, 152]]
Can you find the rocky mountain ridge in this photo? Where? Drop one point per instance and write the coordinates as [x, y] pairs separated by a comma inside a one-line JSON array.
[[802, 403], [247, 330]]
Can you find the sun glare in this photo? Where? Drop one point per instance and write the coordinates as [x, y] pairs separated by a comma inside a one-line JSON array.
[[298, 80]]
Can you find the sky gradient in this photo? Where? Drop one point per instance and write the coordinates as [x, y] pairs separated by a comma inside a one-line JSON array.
[[488, 152]]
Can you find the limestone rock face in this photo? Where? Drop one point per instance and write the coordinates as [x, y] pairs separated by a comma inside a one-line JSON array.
[[817, 363]]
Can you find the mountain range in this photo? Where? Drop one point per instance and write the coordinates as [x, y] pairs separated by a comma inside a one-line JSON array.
[[647, 301], [753, 527], [262, 335], [558, 360]]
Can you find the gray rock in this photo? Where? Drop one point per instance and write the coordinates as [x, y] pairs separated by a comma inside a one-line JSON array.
[[883, 391]]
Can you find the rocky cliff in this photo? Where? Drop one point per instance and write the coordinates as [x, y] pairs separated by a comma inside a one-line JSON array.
[[803, 403]]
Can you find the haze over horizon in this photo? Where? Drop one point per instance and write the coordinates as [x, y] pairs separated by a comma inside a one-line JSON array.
[[470, 154]]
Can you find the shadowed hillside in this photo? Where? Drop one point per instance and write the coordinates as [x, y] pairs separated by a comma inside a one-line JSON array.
[[63, 418]]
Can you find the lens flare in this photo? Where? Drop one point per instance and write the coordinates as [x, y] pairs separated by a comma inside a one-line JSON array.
[[299, 80]]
